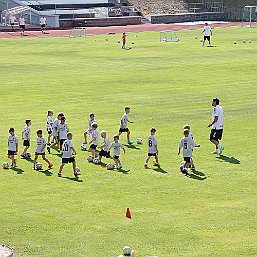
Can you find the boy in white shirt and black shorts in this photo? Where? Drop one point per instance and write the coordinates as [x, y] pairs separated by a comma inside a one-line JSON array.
[[26, 138], [94, 142], [124, 124], [152, 143], [40, 149], [116, 145], [62, 132], [55, 130], [207, 32], [12, 146], [68, 153]]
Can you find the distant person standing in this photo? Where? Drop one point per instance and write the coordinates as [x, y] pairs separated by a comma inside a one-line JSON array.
[[22, 24], [124, 39], [43, 23], [207, 32], [217, 126], [12, 20]]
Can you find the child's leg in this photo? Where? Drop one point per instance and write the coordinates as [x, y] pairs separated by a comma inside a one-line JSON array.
[[44, 158], [60, 169], [128, 135], [93, 152], [85, 137], [35, 162], [74, 166], [156, 159], [147, 160], [12, 158], [59, 145], [25, 150]]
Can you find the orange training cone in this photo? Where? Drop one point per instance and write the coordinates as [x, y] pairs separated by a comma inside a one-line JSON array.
[[128, 214]]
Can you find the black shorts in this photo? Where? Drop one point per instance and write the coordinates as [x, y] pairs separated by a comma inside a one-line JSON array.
[[49, 131], [26, 143], [207, 38], [62, 141], [93, 146], [43, 26], [123, 130], [104, 154], [11, 152], [152, 154], [39, 153], [22, 26], [68, 160], [116, 157], [187, 159], [216, 134]]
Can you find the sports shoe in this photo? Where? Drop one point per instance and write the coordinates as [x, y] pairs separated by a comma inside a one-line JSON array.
[[59, 175], [221, 149], [50, 166], [130, 142], [117, 167], [215, 152], [76, 174], [120, 166], [146, 166]]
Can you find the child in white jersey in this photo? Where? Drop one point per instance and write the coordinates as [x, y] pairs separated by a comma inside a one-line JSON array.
[[12, 146], [40, 149], [62, 129], [55, 131], [187, 144], [49, 125], [68, 153], [105, 151], [26, 138], [116, 145], [124, 124], [89, 130], [188, 127], [152, 143], [94, 142]]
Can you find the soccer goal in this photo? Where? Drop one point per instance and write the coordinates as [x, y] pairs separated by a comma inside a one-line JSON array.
[[78, 32], [250, 14], [168, 36]]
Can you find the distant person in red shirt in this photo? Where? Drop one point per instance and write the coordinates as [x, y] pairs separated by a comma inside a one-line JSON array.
[[124, 40]]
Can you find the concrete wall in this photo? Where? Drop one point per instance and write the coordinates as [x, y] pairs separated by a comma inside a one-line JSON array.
[[101, 22], [186, 17]]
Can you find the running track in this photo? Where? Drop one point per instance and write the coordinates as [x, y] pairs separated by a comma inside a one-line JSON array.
[[116, 29]]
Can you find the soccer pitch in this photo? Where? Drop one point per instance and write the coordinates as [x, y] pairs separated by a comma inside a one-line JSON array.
[[210, 213]]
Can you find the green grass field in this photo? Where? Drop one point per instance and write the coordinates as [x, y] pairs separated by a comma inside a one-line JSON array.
[[210, 213]]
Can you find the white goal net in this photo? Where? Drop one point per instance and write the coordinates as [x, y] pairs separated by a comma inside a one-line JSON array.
[[168, 36], [78, 32]]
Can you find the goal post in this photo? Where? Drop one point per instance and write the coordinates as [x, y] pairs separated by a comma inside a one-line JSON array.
[[168, 36], [78, 32], [250, 14]]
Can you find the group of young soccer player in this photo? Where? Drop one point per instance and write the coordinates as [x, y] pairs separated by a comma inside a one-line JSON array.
[[59, 135]]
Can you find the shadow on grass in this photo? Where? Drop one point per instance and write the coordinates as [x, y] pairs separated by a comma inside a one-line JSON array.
[[75, 179], [18, 170], [232, 160], [196, 174], [28, 159], [132, 147], [161, 170], [46, 172], [123, 171]]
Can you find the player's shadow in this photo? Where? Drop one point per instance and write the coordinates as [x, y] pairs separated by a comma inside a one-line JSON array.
[[132, 147], [28, 159], [123, 171], [18, 170], [196, 174], [47, 172], [232, 159], [75, 179], [161, 170]]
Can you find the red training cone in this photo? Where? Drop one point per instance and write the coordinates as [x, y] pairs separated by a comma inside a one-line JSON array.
[[128, 214]]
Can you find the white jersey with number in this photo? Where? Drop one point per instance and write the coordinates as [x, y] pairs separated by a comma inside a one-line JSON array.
[[116, 147], [62, 130], [55, 127], [66, 149], [42, 21], [106, 144], [94, 135], [152, 143], [22, 21], [41, 142], [207, 31], [124, 121], [12, 19], [218, 112], [49, 122], [12, 141], [187, 144], [26, 133]]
